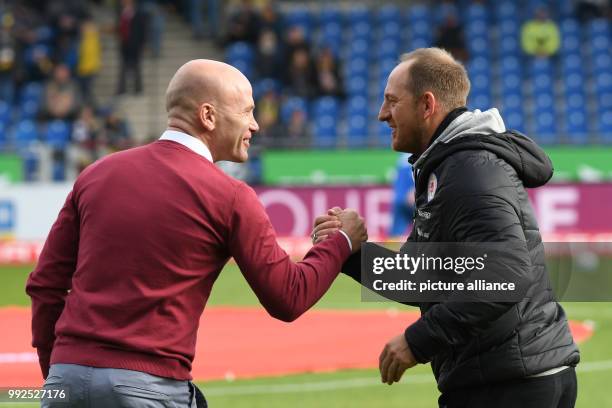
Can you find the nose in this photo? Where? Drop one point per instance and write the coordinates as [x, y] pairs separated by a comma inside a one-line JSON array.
[[254, 126], [384, 114]]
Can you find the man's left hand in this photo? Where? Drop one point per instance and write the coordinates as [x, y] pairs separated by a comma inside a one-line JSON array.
[[395, 358]]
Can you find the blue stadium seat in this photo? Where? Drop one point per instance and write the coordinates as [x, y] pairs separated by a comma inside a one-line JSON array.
[[240, 51], [480, 100], [509, 28], [29, 109], [357, 86], [30, 164], [3, 138], [479, 46], [32, 91], [325, 131], [385, 67], [476, 28], [299, 16], [576, 125], [331, 37], [359, 48], [358, 14], [510, 46], [326, 105], [514, 119], [571, 45], [569, 27], [418, 13], [443, 11], [477, 12], [388, 49], [542, 83], [24, 134], [5, 113], [510, 65], [330, 15], [604, 99], [361, 30], [357, 132], [505, 10], [244, 67], [389, 13], [421, 31], [389, 31], [264, 85], [58, 171], [478, 65], [602, 62], [597, 27], [58, 134], [571, 64], [573, 82], [603, 81], [546, 126], [605, 124], [292, 104]]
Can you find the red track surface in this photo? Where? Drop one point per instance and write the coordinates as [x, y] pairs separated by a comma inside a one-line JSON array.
[[246, 342]]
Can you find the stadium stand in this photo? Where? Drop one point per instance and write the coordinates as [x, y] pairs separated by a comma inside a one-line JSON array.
[[564, 99]]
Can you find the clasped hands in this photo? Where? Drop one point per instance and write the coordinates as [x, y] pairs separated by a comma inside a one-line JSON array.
[[396, 356], [347, 220]]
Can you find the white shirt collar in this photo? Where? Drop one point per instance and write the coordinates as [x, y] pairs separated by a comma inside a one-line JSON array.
[[188, 141]]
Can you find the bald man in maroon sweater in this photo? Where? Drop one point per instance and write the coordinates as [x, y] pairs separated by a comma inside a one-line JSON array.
[[131, 260]]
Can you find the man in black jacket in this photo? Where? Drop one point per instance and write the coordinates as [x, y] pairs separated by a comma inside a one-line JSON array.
[[470, 176]]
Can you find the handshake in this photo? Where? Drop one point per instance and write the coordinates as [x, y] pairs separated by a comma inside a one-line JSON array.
[[336, 219]]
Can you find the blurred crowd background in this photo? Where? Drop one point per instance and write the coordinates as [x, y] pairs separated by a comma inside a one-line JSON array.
[[79, 80]]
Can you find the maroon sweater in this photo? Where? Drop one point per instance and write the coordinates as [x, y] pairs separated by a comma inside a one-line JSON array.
[[130, 262]]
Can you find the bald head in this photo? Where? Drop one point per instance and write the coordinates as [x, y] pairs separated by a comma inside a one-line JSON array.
[[202, 81]]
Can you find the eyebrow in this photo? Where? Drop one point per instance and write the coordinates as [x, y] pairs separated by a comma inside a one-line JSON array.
[[390, 96]]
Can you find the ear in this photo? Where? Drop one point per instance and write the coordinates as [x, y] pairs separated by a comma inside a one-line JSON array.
[[207, 116], [430, 105]]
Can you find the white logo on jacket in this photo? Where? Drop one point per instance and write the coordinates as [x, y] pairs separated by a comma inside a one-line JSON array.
[[432, 186]]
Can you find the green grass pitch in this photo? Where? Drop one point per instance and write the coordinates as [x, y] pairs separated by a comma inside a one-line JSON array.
[[357, 388]]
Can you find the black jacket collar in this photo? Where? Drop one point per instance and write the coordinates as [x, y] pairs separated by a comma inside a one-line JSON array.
[[452, 115]]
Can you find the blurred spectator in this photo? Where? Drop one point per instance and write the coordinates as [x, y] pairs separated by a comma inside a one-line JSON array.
[[296, 130], [451, 37], [269, 55], [86, 135], [132, 35], [268, 112], [329, 81], [243, 24], [117, 134], [196, 17], [38, 67], [300, 76], [8, 51], [66, 17], [540, 36], [403, 205], [90, 59], [156, 20], [270, 19], [295, 41], [62, 97], [590, 9]]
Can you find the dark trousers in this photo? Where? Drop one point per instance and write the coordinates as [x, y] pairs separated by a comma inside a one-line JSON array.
[[552, 391], [130, 65]]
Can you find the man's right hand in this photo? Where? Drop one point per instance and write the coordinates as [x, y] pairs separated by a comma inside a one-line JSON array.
[[354, 226]]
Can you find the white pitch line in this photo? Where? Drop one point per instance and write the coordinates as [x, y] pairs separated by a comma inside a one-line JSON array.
[[353, 383], [312, 386]]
